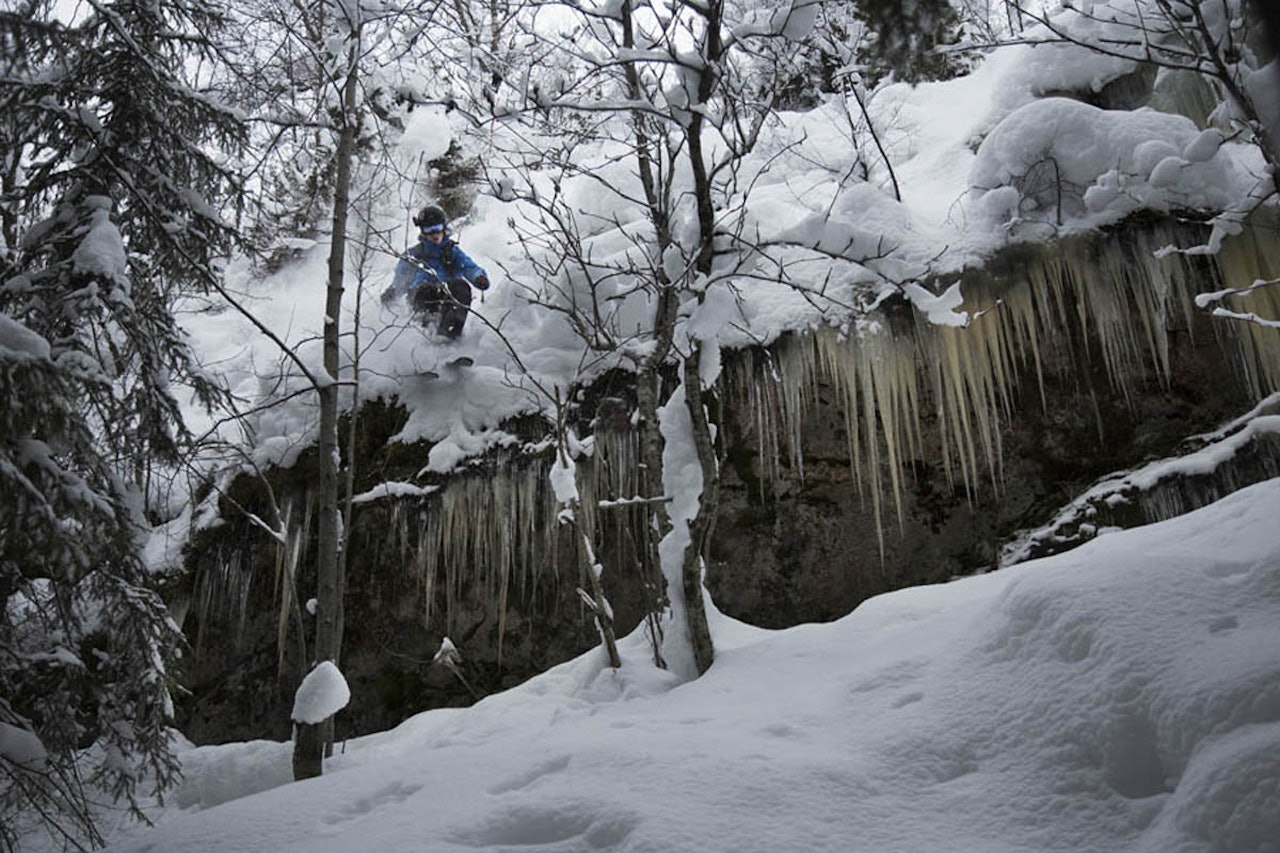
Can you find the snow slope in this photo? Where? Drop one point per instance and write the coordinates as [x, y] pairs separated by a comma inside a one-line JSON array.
[[1121, 697]]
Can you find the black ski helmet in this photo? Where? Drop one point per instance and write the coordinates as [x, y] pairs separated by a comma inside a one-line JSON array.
[[430, 216]]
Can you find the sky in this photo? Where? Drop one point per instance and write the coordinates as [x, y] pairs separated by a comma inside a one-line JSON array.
[[1124, 696]]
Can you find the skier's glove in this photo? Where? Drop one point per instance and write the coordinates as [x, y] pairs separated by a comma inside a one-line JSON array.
[[389, 295], [482, 282]]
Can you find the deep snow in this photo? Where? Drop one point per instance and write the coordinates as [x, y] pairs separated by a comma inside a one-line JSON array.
[[964, 151], [1121, 697]]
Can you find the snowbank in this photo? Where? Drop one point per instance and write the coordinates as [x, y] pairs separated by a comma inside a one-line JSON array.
[[1123, 696]]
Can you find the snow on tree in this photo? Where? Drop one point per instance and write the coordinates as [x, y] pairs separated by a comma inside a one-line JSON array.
[[113, 180], [1208, 61], [329, 94], [658, 111], [323, 693], [1201, 51]]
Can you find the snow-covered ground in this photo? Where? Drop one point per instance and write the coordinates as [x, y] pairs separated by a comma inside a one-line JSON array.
[[1121, 697]]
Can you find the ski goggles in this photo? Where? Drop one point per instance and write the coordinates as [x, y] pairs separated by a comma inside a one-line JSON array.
[[432, 229]]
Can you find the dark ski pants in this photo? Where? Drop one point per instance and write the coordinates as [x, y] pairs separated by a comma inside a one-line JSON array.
[[450, 306]]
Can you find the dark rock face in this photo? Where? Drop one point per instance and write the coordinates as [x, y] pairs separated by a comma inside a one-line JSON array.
[[800, 543], [241, 678], [243, 622], [806, 549]]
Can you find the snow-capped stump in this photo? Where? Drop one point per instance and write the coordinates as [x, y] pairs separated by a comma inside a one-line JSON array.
[[323, 693]]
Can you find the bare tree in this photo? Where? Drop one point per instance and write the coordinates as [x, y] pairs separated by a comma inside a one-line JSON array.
[[679, 96], [323, 99]]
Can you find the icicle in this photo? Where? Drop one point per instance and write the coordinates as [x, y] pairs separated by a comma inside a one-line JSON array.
[[492, 535], [288, 556], [1185, 93], [483, 538], [1086, 297], [862, 371], [1244, 260]]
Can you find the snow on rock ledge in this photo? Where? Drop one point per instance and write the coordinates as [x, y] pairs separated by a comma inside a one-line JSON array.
[[1063, 162]]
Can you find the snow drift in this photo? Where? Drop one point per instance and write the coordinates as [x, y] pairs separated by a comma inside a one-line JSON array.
[[1122, 696]]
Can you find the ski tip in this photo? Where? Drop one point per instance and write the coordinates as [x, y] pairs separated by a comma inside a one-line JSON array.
[[461, 361]]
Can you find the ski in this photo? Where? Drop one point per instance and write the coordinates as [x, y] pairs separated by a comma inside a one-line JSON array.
[[451, 364]]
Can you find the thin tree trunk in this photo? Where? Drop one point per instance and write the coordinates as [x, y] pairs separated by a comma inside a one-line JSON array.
[[702, 524], [659, 523], [311, 743], [591, 592], [700, 527], [650, 378], [594, 595]]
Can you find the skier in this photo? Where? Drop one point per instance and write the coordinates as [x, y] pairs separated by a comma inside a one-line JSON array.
[[436, 275]]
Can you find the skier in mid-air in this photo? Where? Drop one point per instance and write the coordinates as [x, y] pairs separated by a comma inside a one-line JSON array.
[[436, 275]]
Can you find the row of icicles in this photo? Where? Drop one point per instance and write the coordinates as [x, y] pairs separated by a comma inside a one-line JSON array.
[[493, 535], [1108, 297]]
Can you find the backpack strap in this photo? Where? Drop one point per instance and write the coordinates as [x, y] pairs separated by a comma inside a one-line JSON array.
[[446, 255]]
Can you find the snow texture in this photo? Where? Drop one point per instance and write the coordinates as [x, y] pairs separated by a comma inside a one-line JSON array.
[[1069, 161], [1124, 696], [393, 489], [101, 250], [19, 342], [323, 693], [970, 156], [20, 746]]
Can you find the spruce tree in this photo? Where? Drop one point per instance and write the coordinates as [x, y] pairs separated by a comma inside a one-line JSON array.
[[112, 177], [905, 39]]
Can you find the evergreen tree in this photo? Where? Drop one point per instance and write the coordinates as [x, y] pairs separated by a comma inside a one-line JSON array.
[[111, 187], [872, 41], [905, 38]]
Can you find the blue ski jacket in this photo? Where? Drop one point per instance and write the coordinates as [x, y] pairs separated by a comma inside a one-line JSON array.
[[435, 264]]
